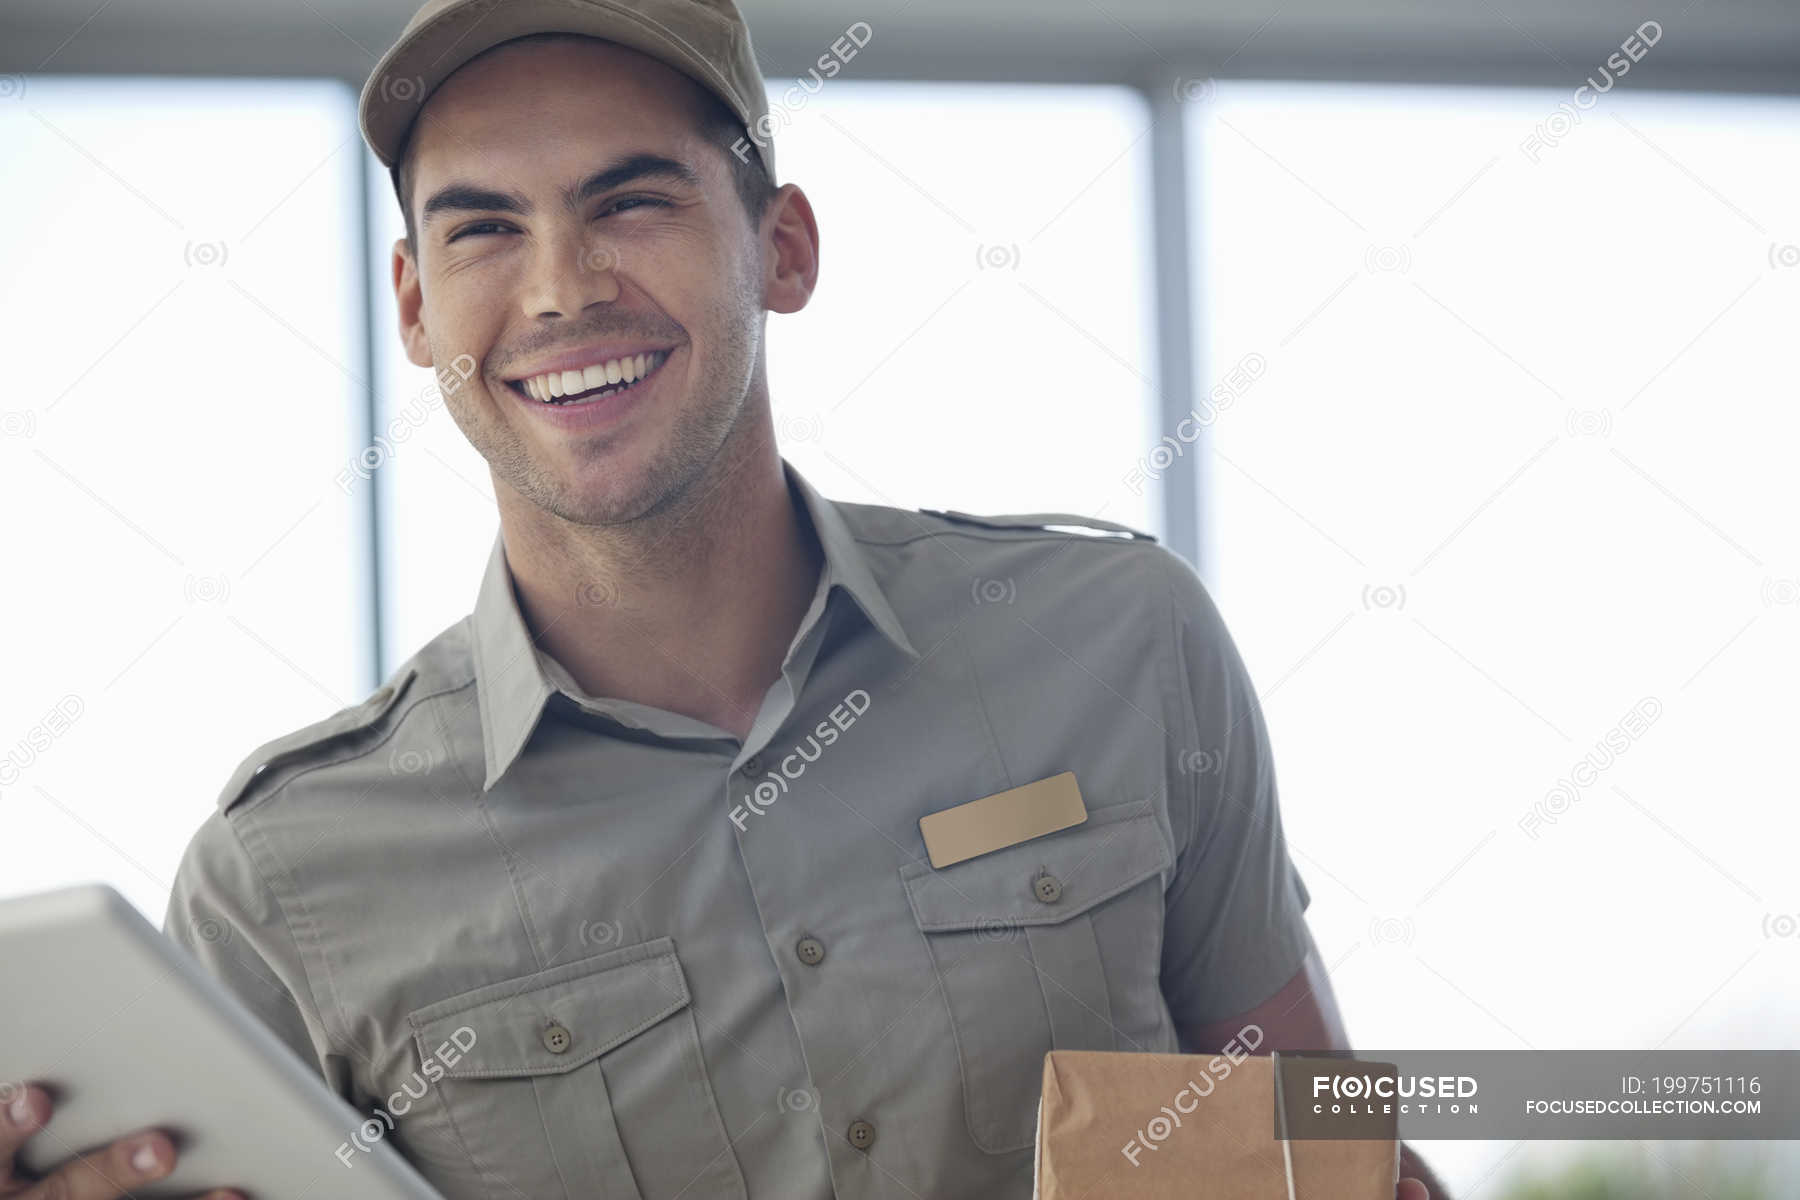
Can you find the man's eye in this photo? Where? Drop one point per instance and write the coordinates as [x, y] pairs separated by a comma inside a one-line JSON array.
[[620, 204], [478, 228]]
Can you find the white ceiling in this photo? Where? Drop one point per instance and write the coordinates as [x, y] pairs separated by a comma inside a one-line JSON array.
[[1751, 44]]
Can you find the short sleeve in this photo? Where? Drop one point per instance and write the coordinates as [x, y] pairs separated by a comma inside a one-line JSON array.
[[223, 914], [1234, 927]]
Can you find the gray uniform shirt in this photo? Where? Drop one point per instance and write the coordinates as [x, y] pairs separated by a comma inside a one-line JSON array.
[[556, 945]]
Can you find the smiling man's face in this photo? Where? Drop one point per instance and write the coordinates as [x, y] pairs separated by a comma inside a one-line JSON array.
[[570, 214]]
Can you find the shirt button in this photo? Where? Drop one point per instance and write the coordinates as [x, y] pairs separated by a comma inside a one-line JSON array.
[[1047, 888], [862, 1134], [557, 1039], [811, 950], [753, 765]]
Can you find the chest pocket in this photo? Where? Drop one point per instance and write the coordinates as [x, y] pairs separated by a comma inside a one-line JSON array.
[[1015, 936], [584, 1080]]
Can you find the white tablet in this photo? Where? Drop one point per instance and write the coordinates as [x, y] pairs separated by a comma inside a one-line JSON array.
[[128, 1032]]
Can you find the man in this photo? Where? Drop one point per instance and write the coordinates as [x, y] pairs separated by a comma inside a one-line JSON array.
[[618, 887]]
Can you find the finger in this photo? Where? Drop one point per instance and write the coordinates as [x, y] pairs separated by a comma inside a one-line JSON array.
[[109, 1173], [25, 1110], [221, 1194], [1412, 1189]]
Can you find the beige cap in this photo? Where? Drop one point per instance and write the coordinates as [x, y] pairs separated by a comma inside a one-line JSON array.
[[705, 40]]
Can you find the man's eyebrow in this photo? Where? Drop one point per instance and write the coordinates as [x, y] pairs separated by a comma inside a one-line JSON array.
[[628, 170], [471, 198], [464, 196]]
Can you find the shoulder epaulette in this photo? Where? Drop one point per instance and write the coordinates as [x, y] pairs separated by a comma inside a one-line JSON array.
[[1042, 521], [291, 749]]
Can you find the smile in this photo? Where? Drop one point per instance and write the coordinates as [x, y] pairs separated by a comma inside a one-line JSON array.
[[593, 382]]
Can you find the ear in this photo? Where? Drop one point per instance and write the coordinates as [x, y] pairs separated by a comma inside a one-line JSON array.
[[790, 251], [409, 301]]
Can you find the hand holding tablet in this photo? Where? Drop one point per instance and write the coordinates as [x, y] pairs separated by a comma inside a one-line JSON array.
[[120, 1045], [128, 1163]]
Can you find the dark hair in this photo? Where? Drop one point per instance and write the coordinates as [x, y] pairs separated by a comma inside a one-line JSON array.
[[717, 124]]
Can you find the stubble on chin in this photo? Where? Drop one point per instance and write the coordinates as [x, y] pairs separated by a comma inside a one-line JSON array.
[[611, 479]]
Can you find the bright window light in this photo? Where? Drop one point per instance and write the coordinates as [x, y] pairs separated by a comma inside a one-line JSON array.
[[188, 572], [1511, 489]]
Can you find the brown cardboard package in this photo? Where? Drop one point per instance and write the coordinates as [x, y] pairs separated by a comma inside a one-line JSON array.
[[1122, 1126]]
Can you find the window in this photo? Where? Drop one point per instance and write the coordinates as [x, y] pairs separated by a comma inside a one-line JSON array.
[[1507, 485], [981, 338], [170, 442]]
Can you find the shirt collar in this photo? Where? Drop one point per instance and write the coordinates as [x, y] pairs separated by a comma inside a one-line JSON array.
[[512, 686]]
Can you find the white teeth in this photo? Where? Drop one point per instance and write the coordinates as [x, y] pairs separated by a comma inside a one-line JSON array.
[[556, 384]]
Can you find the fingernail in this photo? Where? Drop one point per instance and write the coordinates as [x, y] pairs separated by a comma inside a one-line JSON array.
[[144, 1157], [19, 1111]]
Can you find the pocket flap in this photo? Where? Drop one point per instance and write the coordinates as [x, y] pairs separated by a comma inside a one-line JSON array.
[[1115, 848], [499, 1029]]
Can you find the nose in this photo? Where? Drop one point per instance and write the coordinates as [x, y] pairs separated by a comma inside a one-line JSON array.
[[569, 273]]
